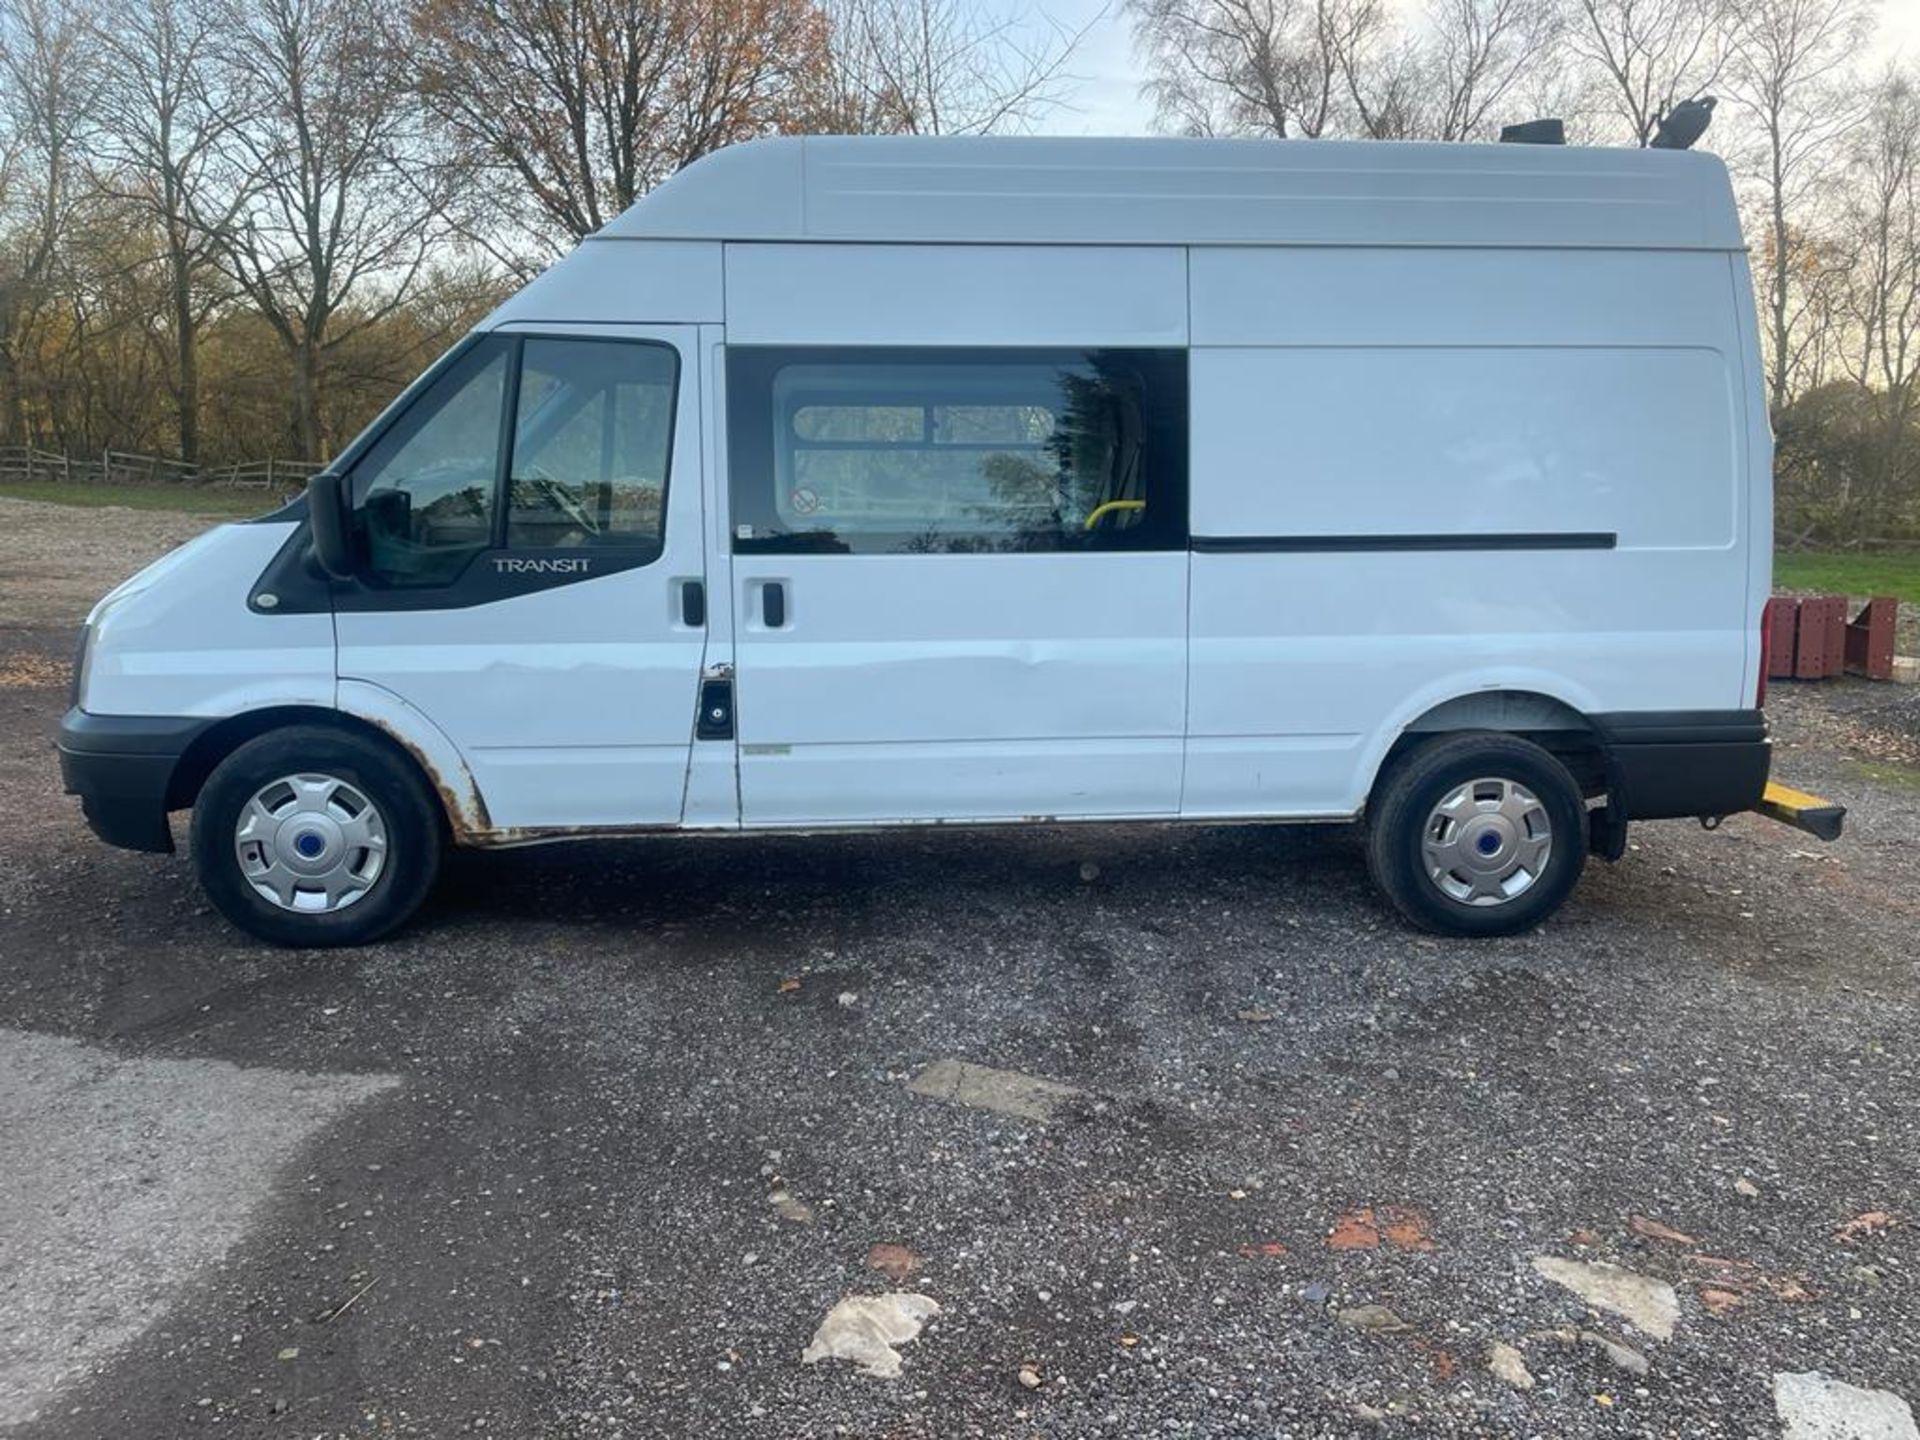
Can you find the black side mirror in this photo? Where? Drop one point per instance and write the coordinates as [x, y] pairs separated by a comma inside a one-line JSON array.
[[328, 521]]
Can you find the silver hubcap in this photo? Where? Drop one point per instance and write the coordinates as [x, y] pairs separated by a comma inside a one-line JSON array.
[[310, 843], [1487, 842]]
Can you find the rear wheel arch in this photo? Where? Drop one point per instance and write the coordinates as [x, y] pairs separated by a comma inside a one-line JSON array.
[[1553, 724]]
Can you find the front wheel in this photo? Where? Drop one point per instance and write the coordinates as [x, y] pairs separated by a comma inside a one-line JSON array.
[[310, 836], [1477, 834]]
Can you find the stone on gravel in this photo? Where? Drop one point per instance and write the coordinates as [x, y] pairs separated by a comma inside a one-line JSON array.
[[1005, 1091], [1813, 1406], [1375, 1319], [789, 1207], [896, 1262], [865, 1328], [1624, 1356], [1508, 1365], [1648, 1304]]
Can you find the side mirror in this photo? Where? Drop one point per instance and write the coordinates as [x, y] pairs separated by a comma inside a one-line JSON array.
[[327, 519]]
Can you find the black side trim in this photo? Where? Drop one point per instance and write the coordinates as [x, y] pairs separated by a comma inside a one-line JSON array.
[[119, 766], [298, 586], [169, 735], [1668, 764], [1342, 544], [1682, 727]]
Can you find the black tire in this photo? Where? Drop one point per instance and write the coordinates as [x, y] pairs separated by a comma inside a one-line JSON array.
[[1407, 795], [405, 808]]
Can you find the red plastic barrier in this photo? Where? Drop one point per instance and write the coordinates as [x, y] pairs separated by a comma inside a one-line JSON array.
[[1820, 650], [1811, 638], [1783, 621], [1869, 638]]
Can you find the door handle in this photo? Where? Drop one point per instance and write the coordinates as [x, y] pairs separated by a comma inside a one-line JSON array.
[[773, 604], [693, 604]]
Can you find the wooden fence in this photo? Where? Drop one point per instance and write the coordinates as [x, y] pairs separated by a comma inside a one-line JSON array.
[[22, 464]]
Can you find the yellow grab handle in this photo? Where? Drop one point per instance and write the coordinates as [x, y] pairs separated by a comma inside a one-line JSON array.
[[1107, 505]]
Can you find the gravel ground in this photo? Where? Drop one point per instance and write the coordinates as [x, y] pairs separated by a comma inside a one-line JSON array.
[[652, 1114]]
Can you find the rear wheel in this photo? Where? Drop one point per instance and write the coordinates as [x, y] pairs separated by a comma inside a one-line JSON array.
[[312, 836], [1477, 834]]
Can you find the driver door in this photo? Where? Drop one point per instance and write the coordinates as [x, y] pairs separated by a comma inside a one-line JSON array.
[[533, 581]]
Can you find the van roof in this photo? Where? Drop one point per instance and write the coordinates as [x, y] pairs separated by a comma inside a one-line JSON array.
[[1166, 191]]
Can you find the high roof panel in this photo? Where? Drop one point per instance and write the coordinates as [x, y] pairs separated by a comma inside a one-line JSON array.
[[1044, 190]]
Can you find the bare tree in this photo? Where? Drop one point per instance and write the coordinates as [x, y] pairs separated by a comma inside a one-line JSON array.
[[939, 67], [1650, 54], [1385, 71], [1881, 230], [1786, 69], [340, 206], [1251, 67], [1307, 68], [48, 89], [1482, 53], [168, 101], [584, 105]]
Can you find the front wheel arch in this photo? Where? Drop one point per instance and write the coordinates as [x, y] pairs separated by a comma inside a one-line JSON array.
[[212, 746]]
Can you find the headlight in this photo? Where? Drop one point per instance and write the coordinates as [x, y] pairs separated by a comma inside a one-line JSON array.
[[78, 690]]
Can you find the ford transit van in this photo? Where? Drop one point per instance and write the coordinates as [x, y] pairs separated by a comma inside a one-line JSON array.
[[848, 483]]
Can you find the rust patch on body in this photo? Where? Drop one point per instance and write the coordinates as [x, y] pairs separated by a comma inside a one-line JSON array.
[[466, 813], [513, 836]]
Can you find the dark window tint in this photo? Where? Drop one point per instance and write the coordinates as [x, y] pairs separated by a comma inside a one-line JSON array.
[[592, 436], [425, 490], [591, 440], [865, 451]]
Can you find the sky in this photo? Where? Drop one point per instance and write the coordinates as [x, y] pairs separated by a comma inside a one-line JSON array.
[[1105, 96], [1105, 99]]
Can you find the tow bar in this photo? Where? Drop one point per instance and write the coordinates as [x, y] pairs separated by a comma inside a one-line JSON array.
[[1819, 818]]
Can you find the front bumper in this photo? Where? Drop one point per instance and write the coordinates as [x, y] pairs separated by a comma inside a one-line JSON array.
[[121, 767], [1666, 765]]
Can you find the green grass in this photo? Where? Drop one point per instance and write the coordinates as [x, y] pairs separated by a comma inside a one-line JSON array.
[[1833, 572], [1889, 772], [184, 499]]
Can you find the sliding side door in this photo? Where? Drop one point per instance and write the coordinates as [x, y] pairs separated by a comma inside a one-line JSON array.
[[960, 582]]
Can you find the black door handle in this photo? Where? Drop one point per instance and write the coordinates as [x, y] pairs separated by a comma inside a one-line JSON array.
[[693, 603], [773, 604]]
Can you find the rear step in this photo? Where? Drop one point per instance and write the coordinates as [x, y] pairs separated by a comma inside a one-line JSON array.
[[1819, 818]]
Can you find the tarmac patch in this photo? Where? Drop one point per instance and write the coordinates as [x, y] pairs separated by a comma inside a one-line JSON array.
[[1814, 1407], [119, 1181]]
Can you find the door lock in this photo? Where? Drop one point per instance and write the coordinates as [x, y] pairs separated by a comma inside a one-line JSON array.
[[714, 720]]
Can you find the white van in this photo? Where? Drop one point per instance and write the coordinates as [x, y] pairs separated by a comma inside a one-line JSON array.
[[850, 483]]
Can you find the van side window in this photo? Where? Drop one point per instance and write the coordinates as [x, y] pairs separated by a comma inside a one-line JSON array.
[[425, 490], [959, 451], [593, 431]]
